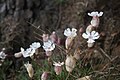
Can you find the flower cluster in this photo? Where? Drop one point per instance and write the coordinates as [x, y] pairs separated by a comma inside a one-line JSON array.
[[49, 43], [91, 34], [29, 52], [95, 20]]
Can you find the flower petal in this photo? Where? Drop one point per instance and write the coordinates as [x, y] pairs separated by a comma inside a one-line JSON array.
[[84, 35], [22, 50], [74, 30], [95, 14], [90, 41], [67, 32], [96, 35], [93, 33], [90, 14], [100, 14]]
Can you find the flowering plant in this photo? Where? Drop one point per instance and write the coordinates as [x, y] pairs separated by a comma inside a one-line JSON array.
[[70, 33], [48, 45], [91, 36]]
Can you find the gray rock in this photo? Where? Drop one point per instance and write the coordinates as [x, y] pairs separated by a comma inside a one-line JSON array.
[[20, 4], [2, 8], [36, 2], [28, 13], [29, 4], [10, 4], [16, 15]]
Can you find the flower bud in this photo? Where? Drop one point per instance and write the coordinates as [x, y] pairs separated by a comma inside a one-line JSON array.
[[53, 37], [89, 28], [95, 21], [45, 37], [29, 69], [17, 55], [58, 67], [81, 30], [44, 75], [68, 42], [70, 63], [48, 53]]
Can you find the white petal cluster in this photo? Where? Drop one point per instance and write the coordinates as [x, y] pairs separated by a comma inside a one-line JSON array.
[[58, 64], [95, 14], [70, 33], [30, 51], [48, 45], [2, 55], [35, 45], [91, 36]]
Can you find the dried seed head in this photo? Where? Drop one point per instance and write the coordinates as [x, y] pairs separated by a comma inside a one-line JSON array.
[[44, 75], [17, 55], [29, 69], [70, 63]]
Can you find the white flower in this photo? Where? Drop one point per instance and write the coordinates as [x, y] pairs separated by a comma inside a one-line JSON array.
[[91, 36], [95, 14], [58, 64], [35, 45], [70, 33], [28, 52], [2, 55], [48, 45]]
